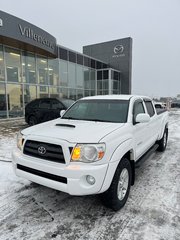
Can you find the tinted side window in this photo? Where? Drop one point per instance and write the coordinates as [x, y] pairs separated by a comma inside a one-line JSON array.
[[56, 105], [150, 108], [44, 104], [138, 108], [34, 104]]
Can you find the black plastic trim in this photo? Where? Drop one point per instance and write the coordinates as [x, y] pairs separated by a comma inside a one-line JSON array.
[[42, 174]]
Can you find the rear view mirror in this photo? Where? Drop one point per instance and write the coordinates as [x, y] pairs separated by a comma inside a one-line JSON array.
[[142, 118], [62, 112]]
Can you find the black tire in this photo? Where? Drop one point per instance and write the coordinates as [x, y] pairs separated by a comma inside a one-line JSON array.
[[32, 120], [163, 141], [110, 198]]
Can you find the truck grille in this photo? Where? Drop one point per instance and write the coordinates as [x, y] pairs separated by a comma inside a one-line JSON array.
[[46, 151]]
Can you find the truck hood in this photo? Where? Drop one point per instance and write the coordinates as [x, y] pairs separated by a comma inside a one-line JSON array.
[[74, 131]]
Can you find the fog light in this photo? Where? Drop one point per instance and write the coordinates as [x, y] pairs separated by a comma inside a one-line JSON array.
[[90, 179]]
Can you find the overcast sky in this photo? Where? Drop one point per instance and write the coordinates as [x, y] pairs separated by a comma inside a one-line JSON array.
[[154, 26]]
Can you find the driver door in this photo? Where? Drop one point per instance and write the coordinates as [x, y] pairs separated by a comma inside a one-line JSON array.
[[139, 130]]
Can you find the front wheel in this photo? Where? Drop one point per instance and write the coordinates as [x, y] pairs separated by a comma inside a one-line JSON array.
[[117, 194], [163, 141], [32, 121]]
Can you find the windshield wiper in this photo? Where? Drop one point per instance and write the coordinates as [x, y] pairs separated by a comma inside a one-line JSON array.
[[84, 119]]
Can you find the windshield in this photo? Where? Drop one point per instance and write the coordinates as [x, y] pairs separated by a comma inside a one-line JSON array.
[[99, 110]]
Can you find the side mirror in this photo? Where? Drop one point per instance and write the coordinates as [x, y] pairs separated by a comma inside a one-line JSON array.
[[142, 118], [62, 112]]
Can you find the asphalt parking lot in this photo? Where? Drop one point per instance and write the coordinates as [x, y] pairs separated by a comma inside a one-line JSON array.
[[31, 211]]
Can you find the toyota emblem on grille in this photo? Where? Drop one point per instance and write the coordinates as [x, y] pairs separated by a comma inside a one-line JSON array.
[[41, 150]]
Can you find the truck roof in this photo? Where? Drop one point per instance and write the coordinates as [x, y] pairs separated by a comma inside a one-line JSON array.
[[115, 97]]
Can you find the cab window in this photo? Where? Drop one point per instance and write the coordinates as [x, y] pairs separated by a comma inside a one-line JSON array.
[[150, 108], [55, 104], [138, 108], [45, 104]]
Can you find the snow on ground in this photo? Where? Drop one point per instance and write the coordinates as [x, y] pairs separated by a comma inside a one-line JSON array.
[[31, 211]]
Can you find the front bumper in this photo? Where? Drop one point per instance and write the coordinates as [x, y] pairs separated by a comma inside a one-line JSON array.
[[75, 173]]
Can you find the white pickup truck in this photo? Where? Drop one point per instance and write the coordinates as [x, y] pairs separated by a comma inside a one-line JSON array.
[[93, 147]]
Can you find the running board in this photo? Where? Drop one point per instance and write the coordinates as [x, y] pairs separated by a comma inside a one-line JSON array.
[[146, 156]]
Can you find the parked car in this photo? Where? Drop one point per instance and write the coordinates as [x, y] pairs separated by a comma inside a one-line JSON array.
[[45, 109], [175, 104], [159, 105], [94, 147]]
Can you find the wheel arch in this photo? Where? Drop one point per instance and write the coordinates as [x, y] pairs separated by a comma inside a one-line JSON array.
[[162, 130], [31, 115], [125, 150]]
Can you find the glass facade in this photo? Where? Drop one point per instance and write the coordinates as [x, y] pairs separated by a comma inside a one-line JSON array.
[[25, 76], [13, 65], [2, 77], [3, 106], [28, 68], [108, 82]]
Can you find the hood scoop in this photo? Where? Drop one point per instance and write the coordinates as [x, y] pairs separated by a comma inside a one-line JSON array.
[[65, 125]]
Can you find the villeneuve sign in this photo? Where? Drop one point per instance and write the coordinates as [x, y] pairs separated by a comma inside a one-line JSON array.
[[29, 33]]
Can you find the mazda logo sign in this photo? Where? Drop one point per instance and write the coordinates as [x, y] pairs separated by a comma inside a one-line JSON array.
[[118, 49], [41, 150]]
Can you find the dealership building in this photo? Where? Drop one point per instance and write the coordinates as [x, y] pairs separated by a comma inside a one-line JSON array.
[[33, 65]]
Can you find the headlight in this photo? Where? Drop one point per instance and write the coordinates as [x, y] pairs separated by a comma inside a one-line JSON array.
[[20, 140], [88, 152]]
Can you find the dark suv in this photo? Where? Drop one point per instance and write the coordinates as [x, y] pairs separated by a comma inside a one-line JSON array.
[[45, 109]]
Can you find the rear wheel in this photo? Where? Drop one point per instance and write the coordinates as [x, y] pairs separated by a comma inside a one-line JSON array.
[[163, 141], [32, 120], [117, 194]]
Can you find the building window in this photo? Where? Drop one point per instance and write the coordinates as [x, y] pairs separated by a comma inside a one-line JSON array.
[[42, 68], [79, 76], [29, 67], [98, 65], [42, 92], [99, 75], [29, 93], [63, 92], [105, 74], [87, 62], [3, 109], [72, 57], [2, 78], [63, 54], [79, 93], [115, 75], [72, 93], [13, 66], [93, 79], [15, 100], [104, 65], [54, 93], [79, 59], [72, 75], [87, 83], [93, 63], [63, 73], [53, 71]]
